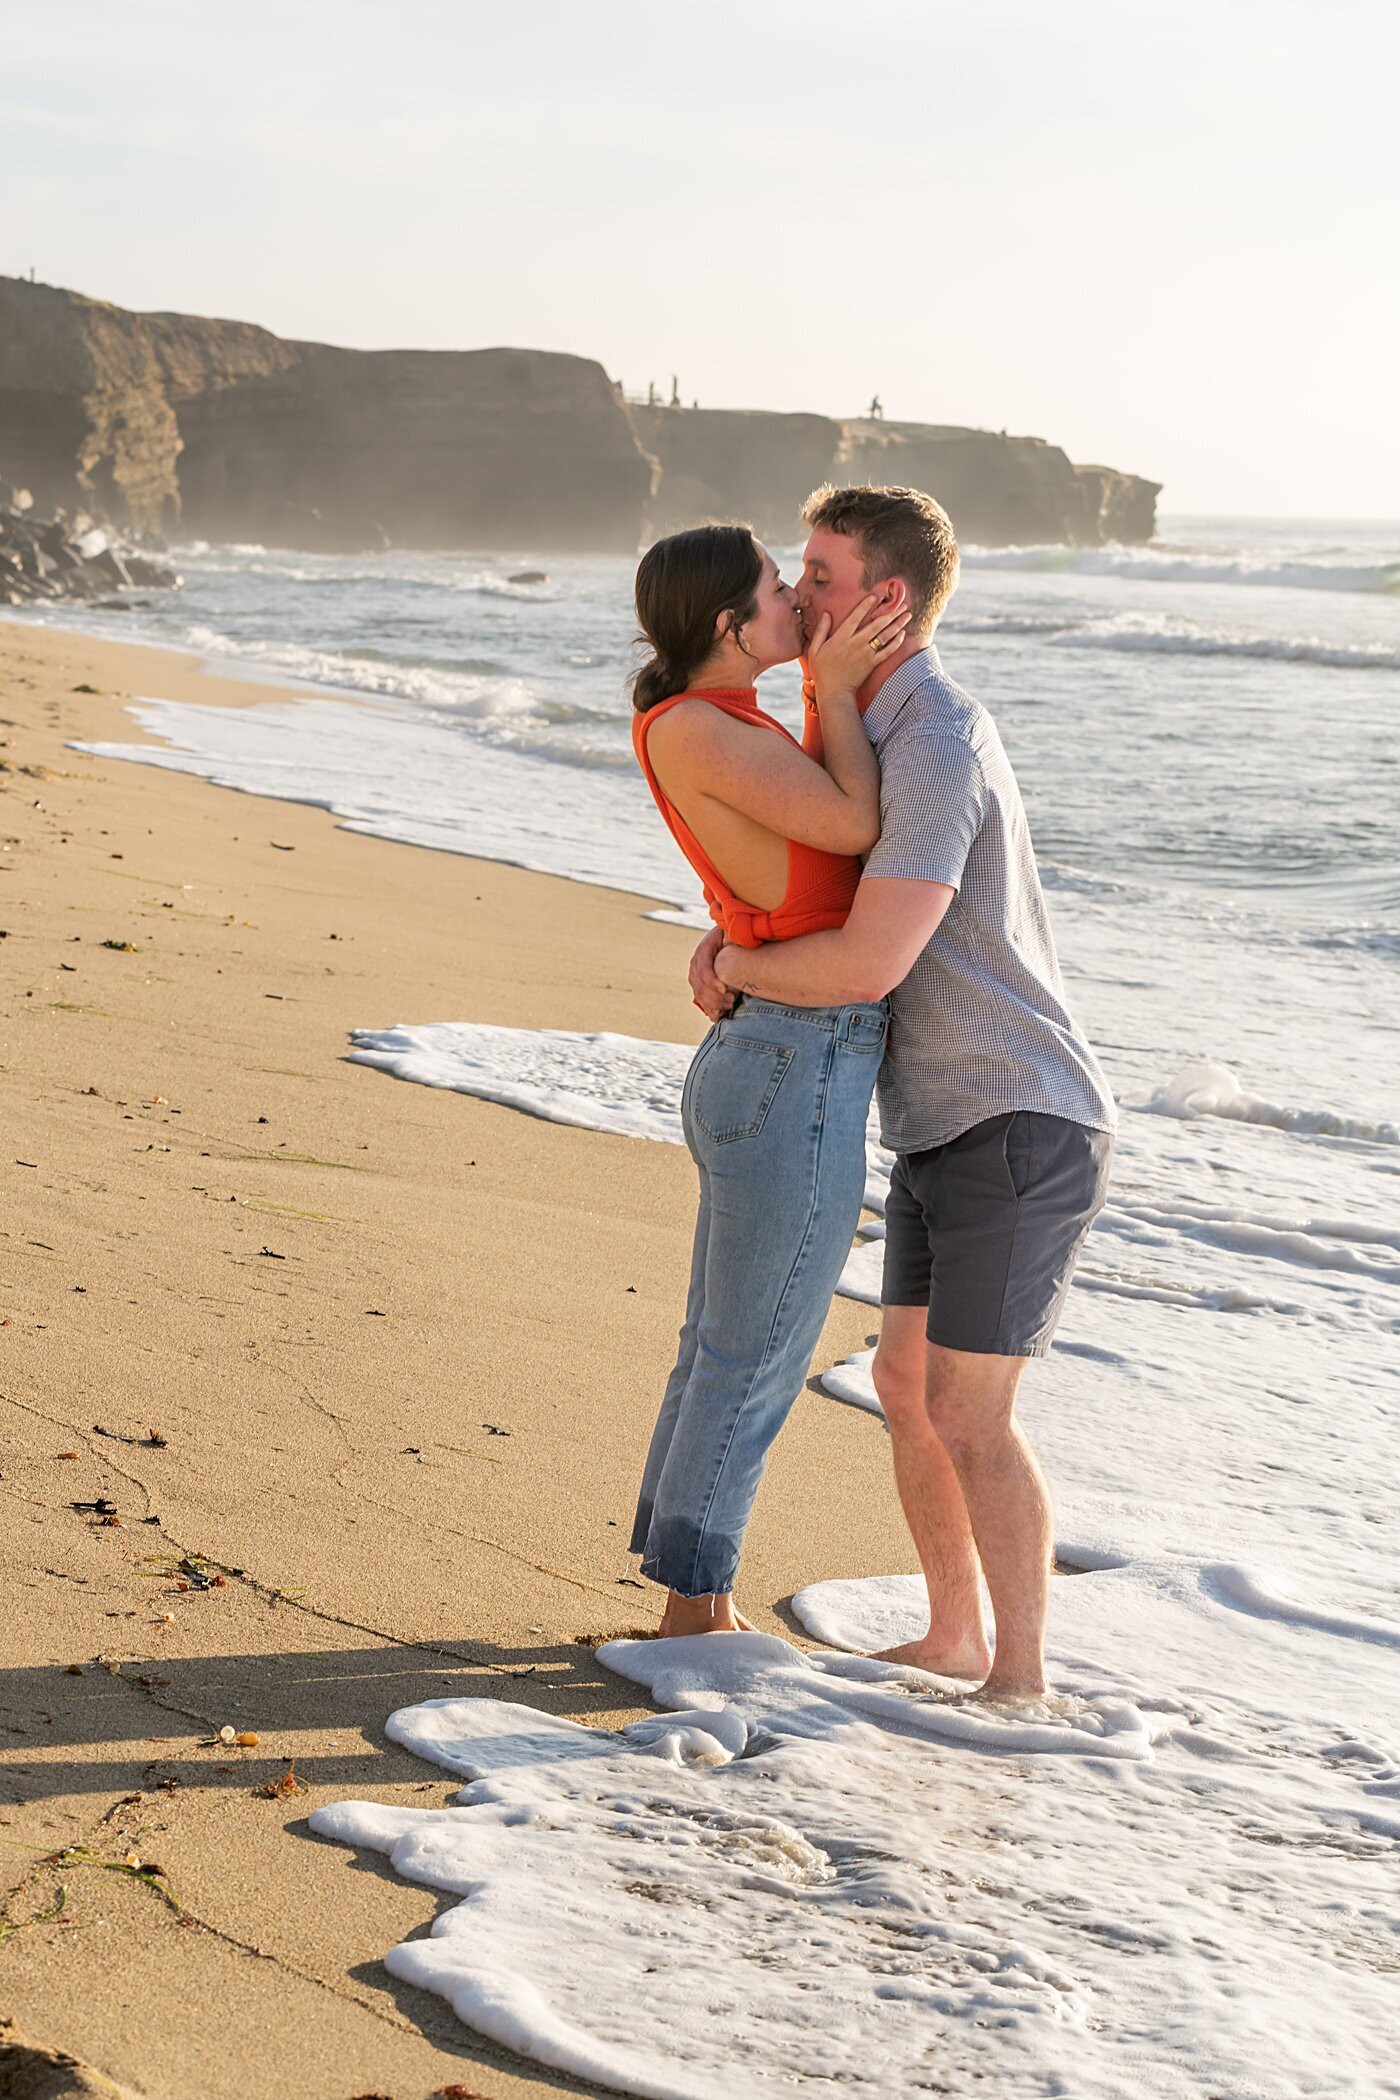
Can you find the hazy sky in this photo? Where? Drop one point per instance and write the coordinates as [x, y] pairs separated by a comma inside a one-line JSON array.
[[1163, 235]]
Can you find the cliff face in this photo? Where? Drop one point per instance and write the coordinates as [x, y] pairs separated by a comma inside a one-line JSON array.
[[167, 423], [161, 422], [1123, 507], [84, 421], [735, 463], [998, 490], [318, 447]]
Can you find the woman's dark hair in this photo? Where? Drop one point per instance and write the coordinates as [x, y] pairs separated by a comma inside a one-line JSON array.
[[684, 583]]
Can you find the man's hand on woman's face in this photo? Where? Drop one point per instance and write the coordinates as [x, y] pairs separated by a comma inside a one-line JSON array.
[[712, 997]]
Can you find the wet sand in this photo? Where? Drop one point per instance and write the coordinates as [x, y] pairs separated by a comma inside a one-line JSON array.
[[377, 1363]]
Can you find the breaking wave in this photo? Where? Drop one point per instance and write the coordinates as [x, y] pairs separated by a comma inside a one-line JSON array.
[[459, 693], [1177, 637], [1166, 565]]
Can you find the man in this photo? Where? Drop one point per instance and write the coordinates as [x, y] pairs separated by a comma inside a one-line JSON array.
[[989, 1095]]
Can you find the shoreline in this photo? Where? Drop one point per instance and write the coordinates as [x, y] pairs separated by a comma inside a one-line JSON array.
[[318, 1286]]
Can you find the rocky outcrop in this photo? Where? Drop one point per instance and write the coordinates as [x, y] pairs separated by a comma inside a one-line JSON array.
[[1119, 507], [42, 559], [998, 490], [165, 423], [734, 463], [84, 418]]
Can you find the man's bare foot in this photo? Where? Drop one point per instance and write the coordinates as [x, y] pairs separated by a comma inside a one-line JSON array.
[[1022, 1693], [712, 1613], [973, 1659]]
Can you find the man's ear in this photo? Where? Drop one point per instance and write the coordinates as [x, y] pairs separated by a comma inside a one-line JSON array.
[[894, 594]]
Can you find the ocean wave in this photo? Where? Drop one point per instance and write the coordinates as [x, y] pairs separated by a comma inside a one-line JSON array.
[[331, 572], [1155, 636], [564, 750], [1055, 875], [462, 695], [1135, 631], [1214, 1090], [1009, 624], [1360, 940], [471, 666], [1167, 565]]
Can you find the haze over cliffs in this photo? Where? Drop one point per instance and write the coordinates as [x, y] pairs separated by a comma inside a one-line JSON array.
[[170, 424]]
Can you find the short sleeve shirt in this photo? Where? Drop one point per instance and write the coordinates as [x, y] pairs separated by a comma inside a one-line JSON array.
[[980, 1026]]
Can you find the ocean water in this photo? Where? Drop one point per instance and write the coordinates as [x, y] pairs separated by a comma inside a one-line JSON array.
[[810, 1873], [1215, 710], [1206, 732]]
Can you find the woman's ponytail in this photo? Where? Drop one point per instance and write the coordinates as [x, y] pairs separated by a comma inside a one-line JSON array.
[[654, 682]]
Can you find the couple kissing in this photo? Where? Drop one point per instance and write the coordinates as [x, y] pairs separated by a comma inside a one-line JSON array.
[[879, 928]]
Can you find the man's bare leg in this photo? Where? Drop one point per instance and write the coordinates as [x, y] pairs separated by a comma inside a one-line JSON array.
[[934, 1508], [971, 1406]]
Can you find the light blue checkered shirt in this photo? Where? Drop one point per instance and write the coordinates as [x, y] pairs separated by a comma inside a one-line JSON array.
[[980, 1025]]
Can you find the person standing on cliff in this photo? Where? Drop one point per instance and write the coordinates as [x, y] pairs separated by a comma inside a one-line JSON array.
[[990, 1096]]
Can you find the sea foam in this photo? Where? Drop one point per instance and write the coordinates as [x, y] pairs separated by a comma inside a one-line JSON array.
[[1123, 1894], [1214, 1090]]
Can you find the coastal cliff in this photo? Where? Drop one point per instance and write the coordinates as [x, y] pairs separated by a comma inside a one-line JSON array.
[[734, 463], [166, 424], [161, 423], [998, 490]]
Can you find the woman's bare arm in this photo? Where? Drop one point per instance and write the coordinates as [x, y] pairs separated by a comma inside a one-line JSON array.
[[700, 751]]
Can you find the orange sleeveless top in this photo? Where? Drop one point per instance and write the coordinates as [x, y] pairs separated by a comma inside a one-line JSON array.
[[821, 887]]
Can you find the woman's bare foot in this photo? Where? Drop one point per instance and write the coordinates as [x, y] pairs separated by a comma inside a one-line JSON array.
[[972, 1659], [713, 1613]]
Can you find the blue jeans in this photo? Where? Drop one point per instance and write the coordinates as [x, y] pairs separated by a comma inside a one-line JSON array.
[[774, 1109]]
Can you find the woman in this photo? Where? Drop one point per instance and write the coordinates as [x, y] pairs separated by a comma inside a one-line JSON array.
[[776, 1099]]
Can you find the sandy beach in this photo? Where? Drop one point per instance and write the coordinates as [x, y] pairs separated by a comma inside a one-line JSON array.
[[364, 1368]]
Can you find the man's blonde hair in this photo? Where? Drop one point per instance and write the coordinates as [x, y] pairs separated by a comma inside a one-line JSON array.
[[901, 532]]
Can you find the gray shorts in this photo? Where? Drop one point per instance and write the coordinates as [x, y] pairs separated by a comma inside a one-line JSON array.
[[986, 1229]]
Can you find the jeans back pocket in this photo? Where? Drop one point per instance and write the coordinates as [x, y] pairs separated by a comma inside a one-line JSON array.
[[735, 1087]]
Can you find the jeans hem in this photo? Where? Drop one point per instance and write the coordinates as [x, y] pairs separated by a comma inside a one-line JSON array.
[[725, 1588]]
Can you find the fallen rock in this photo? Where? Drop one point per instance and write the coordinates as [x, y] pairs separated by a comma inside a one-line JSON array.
[[45, 559]]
